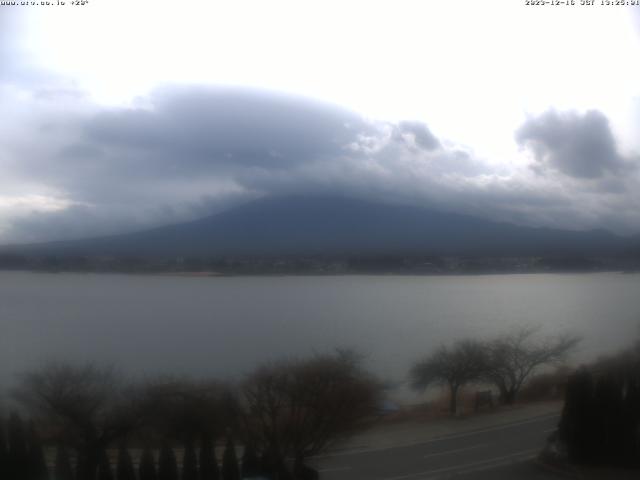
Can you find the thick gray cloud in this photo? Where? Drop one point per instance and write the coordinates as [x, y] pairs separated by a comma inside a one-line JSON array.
[[578, 145], [203, 127], [73, 168], [184, 134], [184, 152]]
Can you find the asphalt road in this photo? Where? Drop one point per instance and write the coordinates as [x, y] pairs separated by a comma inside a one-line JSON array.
[[499, 452]]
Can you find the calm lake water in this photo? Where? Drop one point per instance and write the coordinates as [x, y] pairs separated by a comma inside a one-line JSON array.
[[225, 326]]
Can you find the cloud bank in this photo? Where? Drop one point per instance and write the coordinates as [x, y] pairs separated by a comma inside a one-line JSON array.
[[72, 168], [186, 151]]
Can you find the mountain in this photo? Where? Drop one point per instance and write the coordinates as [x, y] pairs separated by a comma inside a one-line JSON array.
[[335, 226]]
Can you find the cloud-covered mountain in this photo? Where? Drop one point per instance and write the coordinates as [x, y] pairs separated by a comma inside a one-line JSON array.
[[297, 225], [184, 151], [91, 145]]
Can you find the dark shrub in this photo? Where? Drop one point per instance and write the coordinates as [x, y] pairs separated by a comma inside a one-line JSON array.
[[230, 469], [189, 462], [18, 458], [147, 466], [62, 469], [167, 464], [600, 421], [4, 452], [250, 461], [208, 462], [104, 467], [125, 470], [36, 462], [576, 426]]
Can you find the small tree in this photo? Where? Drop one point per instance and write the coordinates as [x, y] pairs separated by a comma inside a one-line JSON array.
[[513, 358], [104, 467], [208, 462], [167, 464], [189, 462], [250, 461], [62, 469], [88, 406], [4, 452], [230, 469], [147, 467], [124, 469], [299, 408], [462, 363], [18, 461], [608, 418], [36, 462], [631, 414], [576, 426]]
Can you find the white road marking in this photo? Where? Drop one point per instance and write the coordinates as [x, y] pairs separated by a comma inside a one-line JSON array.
[[479, 467], [455, 451], [470, 467]]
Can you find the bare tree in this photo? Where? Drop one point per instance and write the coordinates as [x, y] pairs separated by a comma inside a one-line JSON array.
[[186, 410], [513, 358], [299, 408], [89, 407], [455, 366]]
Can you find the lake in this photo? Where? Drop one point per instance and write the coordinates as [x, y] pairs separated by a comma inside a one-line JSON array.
[[224, 326]]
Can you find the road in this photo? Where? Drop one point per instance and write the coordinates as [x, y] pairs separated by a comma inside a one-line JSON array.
[[497, 452]]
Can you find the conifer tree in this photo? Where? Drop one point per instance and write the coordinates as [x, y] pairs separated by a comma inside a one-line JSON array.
[[268, 462], [189, 462], [250, 461], [62, 469], [147, 466], [167, 464], [18, 461], [104, 467], [576, 426], [631, 408], [36, 462], [208, 462], [83, 467], [4, 452], [607, 420], [125, 470], [230, 469]]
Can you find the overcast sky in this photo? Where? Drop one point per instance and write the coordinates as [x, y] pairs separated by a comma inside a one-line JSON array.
[[120, 115]]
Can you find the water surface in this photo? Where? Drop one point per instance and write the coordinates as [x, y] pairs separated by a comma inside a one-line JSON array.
[[225, 326]]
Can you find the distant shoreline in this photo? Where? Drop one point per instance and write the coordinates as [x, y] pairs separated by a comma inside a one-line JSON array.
[[214, 274]]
